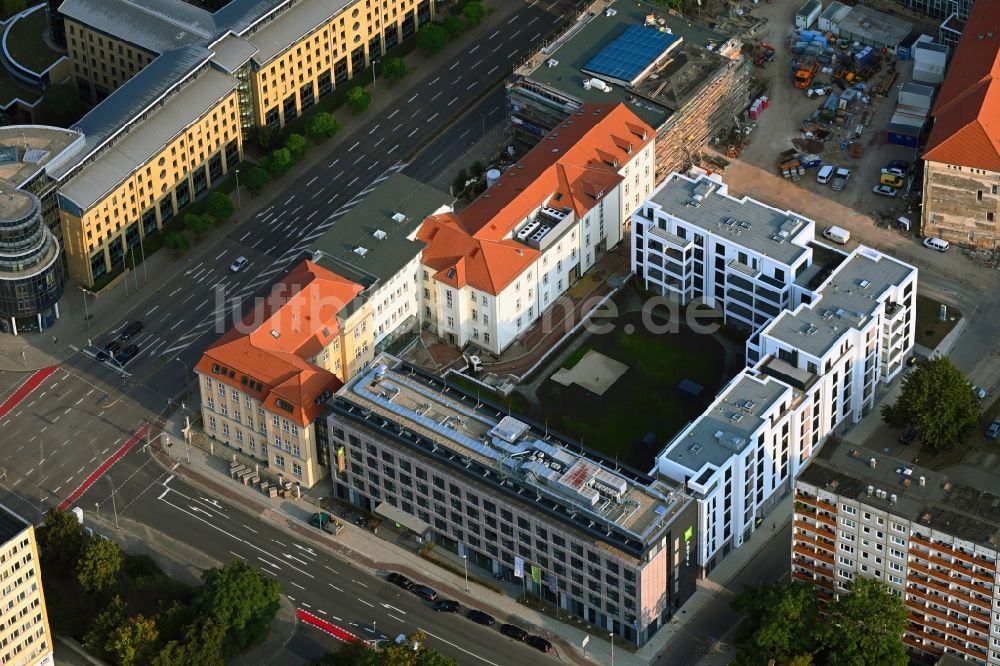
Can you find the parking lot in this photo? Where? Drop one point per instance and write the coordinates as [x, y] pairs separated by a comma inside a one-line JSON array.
[[788, 106]]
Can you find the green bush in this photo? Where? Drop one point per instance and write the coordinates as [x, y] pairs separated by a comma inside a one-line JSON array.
[[196, 224], [278, 162], [219, 206], [394, 69], [297, 146], [474, 13], [176, 241], [256, 179], [322, 126], [358, 99], [453, 26], [432, 38]]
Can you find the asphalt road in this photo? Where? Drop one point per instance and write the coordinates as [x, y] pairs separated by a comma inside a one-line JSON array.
[[346, 596]]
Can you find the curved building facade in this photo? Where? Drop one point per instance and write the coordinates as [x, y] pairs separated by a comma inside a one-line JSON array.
[[31, 273]]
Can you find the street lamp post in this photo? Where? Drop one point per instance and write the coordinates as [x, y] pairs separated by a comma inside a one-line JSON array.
[[86, 309], [612, 635], [238, 203], [187, 381], [465, 562], [114, 507], [373, 73]]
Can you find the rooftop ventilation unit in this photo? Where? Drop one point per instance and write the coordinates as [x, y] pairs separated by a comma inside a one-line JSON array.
[[360, 251], [864, 284], [398, 217], [551, 62], [729, 221], [379, 234]]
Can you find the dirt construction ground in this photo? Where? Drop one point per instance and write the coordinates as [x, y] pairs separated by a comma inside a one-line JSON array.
[[754, 173]]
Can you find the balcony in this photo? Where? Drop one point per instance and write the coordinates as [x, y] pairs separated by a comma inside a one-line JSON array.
[[948, 600], [818, 543], [805, 564], [809, 553], [821, 530], [926, 610], [917, 645], [812, 501], [807, 578]]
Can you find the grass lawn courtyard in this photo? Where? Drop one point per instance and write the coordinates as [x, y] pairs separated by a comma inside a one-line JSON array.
[[644, 399], [930, 330]]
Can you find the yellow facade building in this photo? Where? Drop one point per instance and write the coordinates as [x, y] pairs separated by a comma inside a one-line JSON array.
[[25, 638], [181, 89]]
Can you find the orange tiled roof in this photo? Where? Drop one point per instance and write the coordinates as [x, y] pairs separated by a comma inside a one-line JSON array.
[[966, 127], [575, 164], [266, 355]]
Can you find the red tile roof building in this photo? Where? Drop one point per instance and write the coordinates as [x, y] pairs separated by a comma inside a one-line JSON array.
[[962, 157], [491, 269], [264, 382]]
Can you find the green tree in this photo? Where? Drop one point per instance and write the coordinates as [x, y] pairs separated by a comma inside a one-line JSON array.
[[196, 224], [202, 645], [175, 241], [394, 69], [130, 643], [99, 565], [219, 206], [432, 38], [240, 599], [297, 146], [350, 653], [255, 180], [453, 26], [459, 183], [936, 400], [268, 137], [279, 161], [866, 627], [322, 126], [358, 99], [112, 617], [779, 622], [60, 540], [474, 13]]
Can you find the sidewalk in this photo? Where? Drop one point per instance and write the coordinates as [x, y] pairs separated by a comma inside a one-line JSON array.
[[115, 305]]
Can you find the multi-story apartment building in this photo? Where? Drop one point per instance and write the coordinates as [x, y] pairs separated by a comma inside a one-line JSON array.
[[606, 543], [692, 240], [931, 537], [491, 270], [844, 327], [375, 245], [961, 203], [264, 383], [25, 637], [690, 83]]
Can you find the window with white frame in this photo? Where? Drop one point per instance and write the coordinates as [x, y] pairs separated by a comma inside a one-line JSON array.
[[279, 461], [296, 469], [211, 423]]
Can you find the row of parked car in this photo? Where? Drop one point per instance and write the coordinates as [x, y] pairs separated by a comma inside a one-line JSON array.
[[477, 616]]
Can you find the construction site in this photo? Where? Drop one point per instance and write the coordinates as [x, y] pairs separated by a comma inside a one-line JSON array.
[[684, 75]]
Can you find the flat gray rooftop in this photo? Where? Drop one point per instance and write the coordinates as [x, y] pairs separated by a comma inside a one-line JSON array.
[[727, 426], [874, 26], [670, 84], [962, 507], [14, 204], [38, 147], [390, 396], [398, 195], [716, 208], [848, 299]]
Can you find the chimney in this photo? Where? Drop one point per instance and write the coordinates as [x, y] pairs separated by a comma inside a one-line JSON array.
[[923, 481], [872, 463]]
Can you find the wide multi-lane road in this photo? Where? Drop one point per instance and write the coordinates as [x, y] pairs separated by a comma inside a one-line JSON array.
[[323, 589]]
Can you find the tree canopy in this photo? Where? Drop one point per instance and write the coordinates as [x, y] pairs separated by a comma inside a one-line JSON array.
[[242, 599], [785, 623], [453, 26], [937, 401], [175, 240], [411, 652], [196, 224], [474, 13], [279, 161], [358, 99], [219, 206], [432, 38], [322, 126], [394, 69], [61, 539], [297, 146], [99, 565], [256, 179]]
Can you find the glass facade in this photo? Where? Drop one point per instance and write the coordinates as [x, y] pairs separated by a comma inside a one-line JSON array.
[[31, 273]]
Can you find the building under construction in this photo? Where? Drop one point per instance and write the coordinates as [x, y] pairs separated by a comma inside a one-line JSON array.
[[690, 83]]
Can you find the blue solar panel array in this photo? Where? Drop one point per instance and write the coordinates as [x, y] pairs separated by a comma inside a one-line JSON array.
[[630, 53]]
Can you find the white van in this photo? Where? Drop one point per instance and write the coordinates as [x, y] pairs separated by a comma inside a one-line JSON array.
[[937, 244], [824, 174], [837, 235]]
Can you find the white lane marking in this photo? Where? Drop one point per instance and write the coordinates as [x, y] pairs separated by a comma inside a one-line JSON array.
[[397, 619], [495, 33], [454, 100], [366, 603], [244, 236], [436, 79], [335, 587], [470, 86], [321, 611], [536, 36], [152, 310], [393, 148], [372, 130], [279, 543], [412, 98], [512, 19], [354, 146], [358, 582], [329, 569], [303, 603], [249, 528], [238, 555], [432, 117], [296, 584], [356, 177], [378, 142], [392, 114], [220, 255], [495, 68], [474, 49], [267, 562], [436, 95], [312, 180], [459, 647], [415, 130], [454, 65]]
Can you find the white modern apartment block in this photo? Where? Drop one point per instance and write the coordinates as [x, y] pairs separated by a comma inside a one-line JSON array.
[[693, 240], [931, 537], [846, 325], [491, 270]]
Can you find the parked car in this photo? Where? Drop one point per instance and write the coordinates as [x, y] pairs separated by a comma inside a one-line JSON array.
[[424, 592], [479, 617], [399, 580], [901, 165], [513, 631], [447, 606], [131, 329], [539, 643], [326, 522], [980, 392], [894, 171], [993, 431], [127, 354], [238, 265], [109, 350], [938, 244], [908, 436], [884, 191]]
